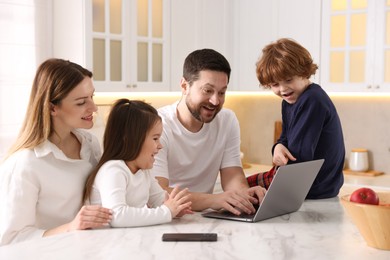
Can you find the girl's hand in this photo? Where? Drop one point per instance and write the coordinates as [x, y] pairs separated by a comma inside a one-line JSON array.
[[179, 202]]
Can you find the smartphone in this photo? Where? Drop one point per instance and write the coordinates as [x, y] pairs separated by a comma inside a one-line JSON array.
[[189, 237]]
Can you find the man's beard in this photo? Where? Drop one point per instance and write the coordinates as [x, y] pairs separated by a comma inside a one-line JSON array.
[[195, 111]]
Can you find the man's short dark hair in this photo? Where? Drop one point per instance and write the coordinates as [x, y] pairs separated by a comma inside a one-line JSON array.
[[204, 59]]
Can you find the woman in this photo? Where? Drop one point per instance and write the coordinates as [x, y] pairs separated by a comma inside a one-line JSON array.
[[44, 174]]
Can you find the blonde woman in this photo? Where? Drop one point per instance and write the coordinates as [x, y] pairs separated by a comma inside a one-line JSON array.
[[42, 179]]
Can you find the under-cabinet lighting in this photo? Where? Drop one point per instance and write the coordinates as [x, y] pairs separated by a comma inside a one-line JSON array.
[[360, 94], [114, 95]]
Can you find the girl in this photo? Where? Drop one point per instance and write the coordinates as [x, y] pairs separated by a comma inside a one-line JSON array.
[[121, 181], [42, 179]]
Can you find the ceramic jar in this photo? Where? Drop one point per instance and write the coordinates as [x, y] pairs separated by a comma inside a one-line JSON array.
[[358, 160]]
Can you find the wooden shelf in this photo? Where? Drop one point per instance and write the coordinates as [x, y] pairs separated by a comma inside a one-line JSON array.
[[371, 173]]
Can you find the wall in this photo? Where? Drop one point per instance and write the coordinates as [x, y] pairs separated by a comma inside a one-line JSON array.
[[365, 121], [24, 34]]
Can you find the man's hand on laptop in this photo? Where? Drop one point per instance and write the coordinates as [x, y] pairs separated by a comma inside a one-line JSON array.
[[238, 201], [256, 191]]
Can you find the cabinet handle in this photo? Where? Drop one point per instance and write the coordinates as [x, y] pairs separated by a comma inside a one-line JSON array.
[[131, 85], [377, 87], [369, 86]]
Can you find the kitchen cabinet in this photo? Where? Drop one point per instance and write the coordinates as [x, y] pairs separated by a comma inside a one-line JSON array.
[[68, 30], [356, 45], [258, 23], [186, 26], [124, 42], [130, 44], [237, 29], [196, 25]]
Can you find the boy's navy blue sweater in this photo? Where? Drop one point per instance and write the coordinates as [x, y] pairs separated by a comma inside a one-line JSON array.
[[312, 130]]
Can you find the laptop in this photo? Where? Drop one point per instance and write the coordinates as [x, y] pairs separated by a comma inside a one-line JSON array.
[[286, 193]]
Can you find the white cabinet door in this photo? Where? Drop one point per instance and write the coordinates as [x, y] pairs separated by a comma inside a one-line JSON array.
[[196, 25], [301, 21], [256, 23], [237, 29], [356, 46], [129, 40], [382, 46], [68, 30], [124, 42], [262, 22]]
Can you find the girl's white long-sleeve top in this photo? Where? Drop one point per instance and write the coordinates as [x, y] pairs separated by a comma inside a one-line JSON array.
[[41, 188], [136, 199]]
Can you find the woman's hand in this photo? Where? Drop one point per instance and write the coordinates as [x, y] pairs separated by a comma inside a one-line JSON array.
[[91, 216]]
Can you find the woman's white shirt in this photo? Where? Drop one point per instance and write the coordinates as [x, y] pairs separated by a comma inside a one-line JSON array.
[[41, 188], [135, 199]]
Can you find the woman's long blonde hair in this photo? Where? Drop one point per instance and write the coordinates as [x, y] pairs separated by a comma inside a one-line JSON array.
[[53, 81]]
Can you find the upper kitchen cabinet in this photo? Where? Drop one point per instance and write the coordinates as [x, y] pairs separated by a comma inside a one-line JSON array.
[[140, 45], [200, 24], [125, 43], [356, 45], [68, 20], [260, 22], [130, 44]]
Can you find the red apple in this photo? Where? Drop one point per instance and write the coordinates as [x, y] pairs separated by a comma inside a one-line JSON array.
[[365, 196]]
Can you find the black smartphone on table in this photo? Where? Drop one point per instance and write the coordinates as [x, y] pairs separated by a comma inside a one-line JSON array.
[[190, 237]]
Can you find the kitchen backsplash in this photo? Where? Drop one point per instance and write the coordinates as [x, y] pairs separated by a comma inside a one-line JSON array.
[[365, 121]]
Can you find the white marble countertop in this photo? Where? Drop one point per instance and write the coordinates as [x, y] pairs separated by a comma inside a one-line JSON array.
[[319, 230]]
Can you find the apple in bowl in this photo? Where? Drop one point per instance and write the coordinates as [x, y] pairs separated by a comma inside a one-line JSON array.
[[365, 196]]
